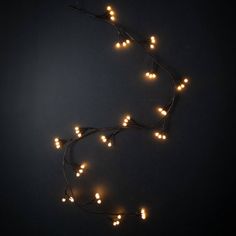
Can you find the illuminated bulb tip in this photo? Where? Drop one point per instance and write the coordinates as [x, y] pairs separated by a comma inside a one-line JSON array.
[[127, 41], [153, 39], [63, 199], [152, 46], [109, 8], [112, 13], [81, 171], [179, 88], [160, 109], [128, 117], [97, 196], [185, 80], [56, 139], [76, 128], [114, 223], [147, 74], [143, 214], [124, 124], [124, 44], [159, 136], [156, 134], [82, 166], [117, 222], [99, 201], [77, 174], [164, 137], [182, 85], [112, 18], [117, 45], [109, 144], [119, 217]]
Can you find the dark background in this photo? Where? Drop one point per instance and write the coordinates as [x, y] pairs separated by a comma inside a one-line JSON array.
[[59, 68]]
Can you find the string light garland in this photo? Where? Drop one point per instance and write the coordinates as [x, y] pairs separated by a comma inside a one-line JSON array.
[[109, 134]]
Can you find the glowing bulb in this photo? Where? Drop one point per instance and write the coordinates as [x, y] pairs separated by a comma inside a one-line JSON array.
[[103, 138], [159, 136], [128, 117], [160, 109], [114, 223], [119, 217], [97, 196], [124, 124], [124, 44], [99, 201], [179, 88], [112, 13], [63, 199], [147, 74], [77, 174], [185, 80], [117, 222], [127, 41], [56, 139], [164, 113], [112, 18], [152, 46], [71, 199], [82, 166], [109, 144], [156, 134], [118, 45], [182, 85], [81, 171], [164, 137]]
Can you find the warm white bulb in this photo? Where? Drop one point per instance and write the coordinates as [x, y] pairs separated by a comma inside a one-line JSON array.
[[164, 113], [124, 124], [97, 196], [118, 45], [156, 134], [119, 217], [185, 80], [128, 117], [124, 44], [127, 41], [112, 13], [109, 144], [77, 174], [109, 8], [82, 166], [153, 39], [160, 109], [56, 139], [164, 137], [63, 199], [114, 223], [182, 86], [99, 201], [152, 46], [147, 74], [81, 171], [112, 18], [179, 88], [143, 214]]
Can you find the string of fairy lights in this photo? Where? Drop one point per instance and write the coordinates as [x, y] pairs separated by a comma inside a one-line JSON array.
[[109, 134]]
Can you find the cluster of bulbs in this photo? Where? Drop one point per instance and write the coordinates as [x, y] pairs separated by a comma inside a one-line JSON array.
[[181, 86], [160, 135], [153, 42], [57, 143], [126, 121], [143, 214], [150, 75], [111, 13], [78, 131], [106, 140], [69, 198], [162, 111], [98, 198], [116, 221], [123, 44], [80, 170]]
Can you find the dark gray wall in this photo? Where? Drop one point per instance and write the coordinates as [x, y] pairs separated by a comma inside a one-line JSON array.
[[59, 68]]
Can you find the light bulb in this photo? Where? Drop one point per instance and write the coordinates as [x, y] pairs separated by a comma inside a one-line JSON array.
[[182, 86], [185, 80], [112, 18], [56, 139], [124, 124], [179, 88], [118, 45], [124, 44], [99, 201], [152, 46], [109, 144], [81, 171], [128, 117], [63, 199], [164, 137], [112, 13], [117, 222], [109, 8], [156, 134], [127, 41], [82, 166], [119, 217], [114, 223], [77, 174]]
